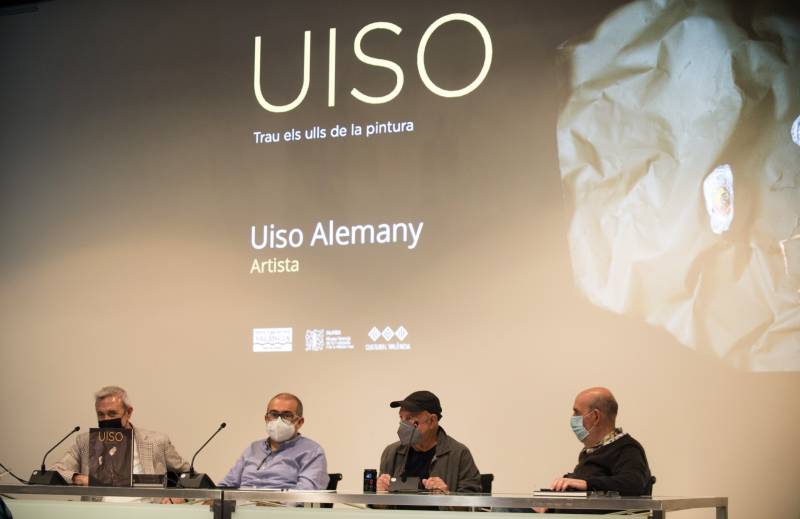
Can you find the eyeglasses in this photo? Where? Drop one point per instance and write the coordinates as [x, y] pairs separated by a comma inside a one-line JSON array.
[[417, 419], [287, 416]]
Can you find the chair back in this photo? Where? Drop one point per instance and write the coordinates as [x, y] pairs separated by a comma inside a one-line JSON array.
[[333, 482], [486, 483]]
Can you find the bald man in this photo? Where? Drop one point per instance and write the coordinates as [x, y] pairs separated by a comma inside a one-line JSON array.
[[284, 459], [611, 460]]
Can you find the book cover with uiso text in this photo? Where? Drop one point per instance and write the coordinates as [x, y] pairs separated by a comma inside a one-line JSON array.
[[110, 457]]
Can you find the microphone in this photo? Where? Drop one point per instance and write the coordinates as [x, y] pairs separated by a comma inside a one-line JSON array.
[[50, 477], [191, 479], [405, 483], [403, 476]]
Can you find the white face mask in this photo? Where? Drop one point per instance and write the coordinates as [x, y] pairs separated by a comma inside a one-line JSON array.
[[280, 431]]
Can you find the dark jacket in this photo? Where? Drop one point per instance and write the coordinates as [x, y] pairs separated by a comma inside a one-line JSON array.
[[452, 462], [620, 466]]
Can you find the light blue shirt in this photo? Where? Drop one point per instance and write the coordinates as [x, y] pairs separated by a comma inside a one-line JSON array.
[[299, 464]]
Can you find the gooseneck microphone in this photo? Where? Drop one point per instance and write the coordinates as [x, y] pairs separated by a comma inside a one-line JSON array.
[[191, 465], [405, 483], [403, 476], [73, 431], [50, 477], [191, 479]]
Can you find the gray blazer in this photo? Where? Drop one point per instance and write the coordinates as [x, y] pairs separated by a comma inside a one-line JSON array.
[[156, 454], [452, 462]]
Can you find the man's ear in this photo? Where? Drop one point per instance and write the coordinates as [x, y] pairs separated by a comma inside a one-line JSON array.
[[300, 422]]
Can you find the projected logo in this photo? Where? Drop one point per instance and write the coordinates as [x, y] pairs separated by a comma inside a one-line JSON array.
[[318, 339], [382, 339], [374, 334], [271, 340], [315, 340]]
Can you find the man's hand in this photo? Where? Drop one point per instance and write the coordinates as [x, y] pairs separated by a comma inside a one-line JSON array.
[[172, 501], [80, 479], [382, 484], [435, 484], [561, 484]]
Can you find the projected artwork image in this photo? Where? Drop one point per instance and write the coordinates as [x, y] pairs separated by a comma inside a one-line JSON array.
[[681, 172]]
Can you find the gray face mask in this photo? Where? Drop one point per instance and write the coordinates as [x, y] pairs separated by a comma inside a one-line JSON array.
[[408, 434]]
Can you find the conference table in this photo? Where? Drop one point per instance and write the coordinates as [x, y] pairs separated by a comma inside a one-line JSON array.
[[67, 502]]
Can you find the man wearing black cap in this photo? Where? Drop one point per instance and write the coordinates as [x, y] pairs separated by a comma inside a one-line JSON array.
[[426, 451]]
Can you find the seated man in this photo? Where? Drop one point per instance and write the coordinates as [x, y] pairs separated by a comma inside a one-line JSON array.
[[611, 460], [284, 459], [442, 463], [153, 453]]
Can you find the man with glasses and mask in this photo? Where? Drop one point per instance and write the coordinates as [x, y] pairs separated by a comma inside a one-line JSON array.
[[426, 451], [611, 460], [153, 452], [284, 459]]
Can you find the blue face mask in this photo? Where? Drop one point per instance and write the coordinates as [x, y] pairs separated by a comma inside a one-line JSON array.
[[576, 422]]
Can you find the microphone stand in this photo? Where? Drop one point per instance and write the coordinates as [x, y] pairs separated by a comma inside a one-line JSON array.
[[405, 483], [50, 477], [192, 479]]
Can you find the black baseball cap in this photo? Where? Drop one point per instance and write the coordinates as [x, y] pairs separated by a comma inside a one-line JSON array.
[[420, 401]]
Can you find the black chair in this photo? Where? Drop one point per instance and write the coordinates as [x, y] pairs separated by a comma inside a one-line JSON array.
[[486, 483], [649, 489], [486, 488], [333, 482]]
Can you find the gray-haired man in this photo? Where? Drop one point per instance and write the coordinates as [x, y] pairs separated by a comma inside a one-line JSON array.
[[153, 453]]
